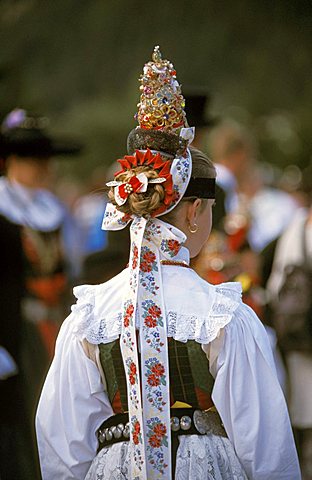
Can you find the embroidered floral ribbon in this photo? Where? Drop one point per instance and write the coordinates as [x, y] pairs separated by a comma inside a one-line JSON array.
[[143, 299], [148, 396]]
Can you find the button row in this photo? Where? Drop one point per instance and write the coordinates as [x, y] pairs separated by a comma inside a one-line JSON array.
[[116, 432], [184, 423]]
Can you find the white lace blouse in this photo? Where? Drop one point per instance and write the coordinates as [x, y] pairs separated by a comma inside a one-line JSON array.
[[246, 392]]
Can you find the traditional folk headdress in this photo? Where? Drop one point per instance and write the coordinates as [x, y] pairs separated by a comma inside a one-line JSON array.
[[160, 142], [162, 137]]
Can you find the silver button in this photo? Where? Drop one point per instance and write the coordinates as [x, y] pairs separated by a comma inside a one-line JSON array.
[[175, 424], [201, 422], [109, 435], [118, 432], [126, 433], [101, 436], [186, 422]]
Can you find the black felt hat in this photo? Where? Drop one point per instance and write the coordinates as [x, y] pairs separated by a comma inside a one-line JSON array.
[[26, 135], [196, 106]]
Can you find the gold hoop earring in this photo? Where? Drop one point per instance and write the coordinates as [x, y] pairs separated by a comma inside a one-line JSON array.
[[193, 229]]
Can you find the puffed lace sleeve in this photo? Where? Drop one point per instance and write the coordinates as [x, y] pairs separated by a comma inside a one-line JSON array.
[[250, 401], [73, 403]]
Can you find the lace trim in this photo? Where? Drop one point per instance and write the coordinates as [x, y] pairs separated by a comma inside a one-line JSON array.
[[89, 326], [199, 457], [231, 290], [182, 327], [202, 329]]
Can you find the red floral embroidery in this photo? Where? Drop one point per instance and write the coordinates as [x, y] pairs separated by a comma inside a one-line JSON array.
[[154, 441], [145, 267], [133, 369], [160, 429], [158, 369], [149, 257], [148, 260], [154, 311], [136, 428], [153, 380], [136, 432], [128, 314], [174, 246], [132, 372], [150, 322], [157, 438], [135, 257], [126, 322]]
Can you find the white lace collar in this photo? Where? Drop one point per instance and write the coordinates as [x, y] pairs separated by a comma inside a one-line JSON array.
[[196, 314]]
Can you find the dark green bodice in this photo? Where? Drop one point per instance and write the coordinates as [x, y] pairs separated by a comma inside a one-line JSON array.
[[190, 379]]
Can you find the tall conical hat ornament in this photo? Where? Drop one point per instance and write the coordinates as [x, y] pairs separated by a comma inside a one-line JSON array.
[[161, 104], [159, 142], [160, 115]]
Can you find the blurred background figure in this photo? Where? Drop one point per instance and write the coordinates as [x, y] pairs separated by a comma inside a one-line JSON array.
[[265, 209], [289, 289], [197, 110], [103, 253], [88, 212], [35, 278], [255, 215]]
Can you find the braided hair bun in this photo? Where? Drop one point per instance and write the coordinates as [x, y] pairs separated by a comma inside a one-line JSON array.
[[141, 204]]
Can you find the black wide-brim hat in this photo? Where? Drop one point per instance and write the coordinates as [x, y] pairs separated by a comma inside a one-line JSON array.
[[26, 136], [196, 105]]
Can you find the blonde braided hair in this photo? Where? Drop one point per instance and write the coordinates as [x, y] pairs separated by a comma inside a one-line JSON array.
[[141, 204]]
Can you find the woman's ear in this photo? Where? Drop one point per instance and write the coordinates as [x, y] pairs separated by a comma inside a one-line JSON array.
[[193, 211]]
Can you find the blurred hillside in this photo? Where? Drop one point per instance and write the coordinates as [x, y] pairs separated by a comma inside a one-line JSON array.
[[78, 62]]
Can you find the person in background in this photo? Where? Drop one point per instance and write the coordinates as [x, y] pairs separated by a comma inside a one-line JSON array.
[[197, 106], [254, 216], [103, 254], [157, 373], [34, 277], [266, 210], [294, 250], [88, 212]]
